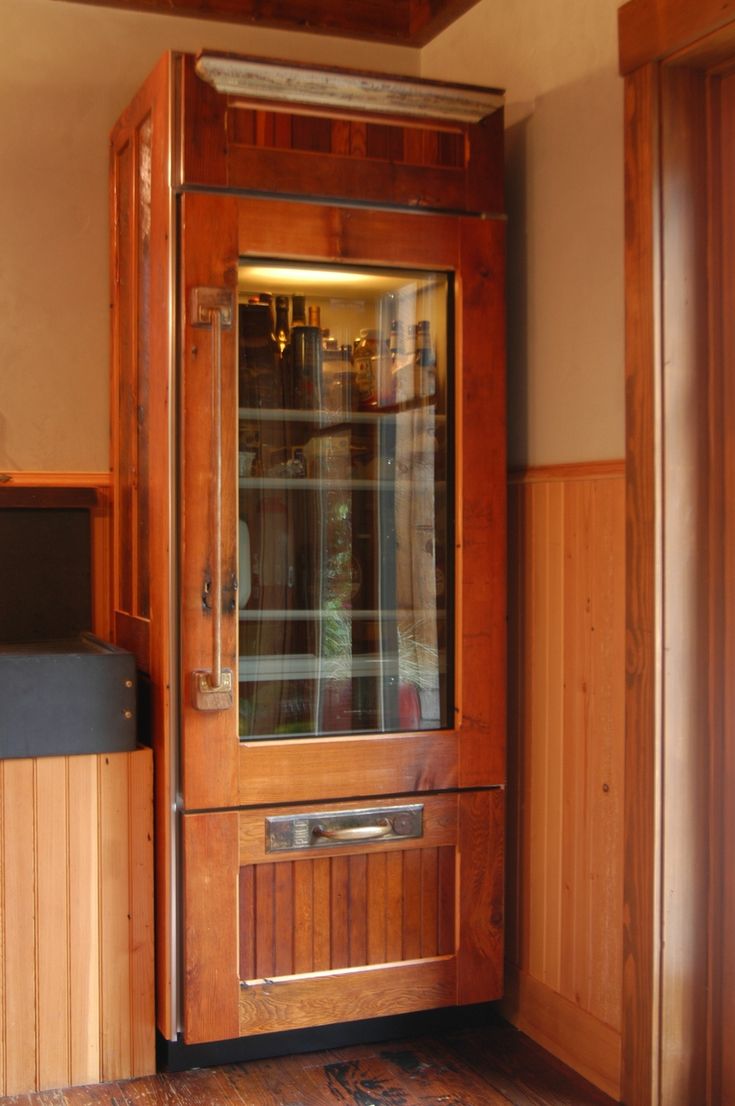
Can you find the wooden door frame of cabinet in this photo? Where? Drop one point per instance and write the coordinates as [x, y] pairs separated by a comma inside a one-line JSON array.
[[679, 595], [219, 1006], [216, 771]]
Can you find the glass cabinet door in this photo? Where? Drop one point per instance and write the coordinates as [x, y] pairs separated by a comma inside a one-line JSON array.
[[344, 503]]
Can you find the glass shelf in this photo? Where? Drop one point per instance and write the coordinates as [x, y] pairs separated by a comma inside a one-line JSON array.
[[292, 615], [347, 627], [322, 418], [327, 484], [308, 666]]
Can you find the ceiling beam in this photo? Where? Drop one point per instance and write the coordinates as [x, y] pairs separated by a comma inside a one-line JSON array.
[[400, 22]]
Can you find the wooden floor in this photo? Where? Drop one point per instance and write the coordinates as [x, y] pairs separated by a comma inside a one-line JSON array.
[[489, 1066]]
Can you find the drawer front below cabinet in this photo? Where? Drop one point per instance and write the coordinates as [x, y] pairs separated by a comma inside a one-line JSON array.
[[336, 912]]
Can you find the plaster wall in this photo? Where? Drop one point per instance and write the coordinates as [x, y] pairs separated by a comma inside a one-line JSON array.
[[564, 112], [66, 73]]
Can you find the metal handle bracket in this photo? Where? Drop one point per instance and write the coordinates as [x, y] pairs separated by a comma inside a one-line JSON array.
[[214, 308], [325, 829]]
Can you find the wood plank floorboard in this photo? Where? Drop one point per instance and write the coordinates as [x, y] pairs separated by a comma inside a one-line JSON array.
[[493, 1065]]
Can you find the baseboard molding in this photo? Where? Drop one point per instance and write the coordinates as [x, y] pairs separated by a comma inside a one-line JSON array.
[[576, 1037], [577, 470], [56, 479]]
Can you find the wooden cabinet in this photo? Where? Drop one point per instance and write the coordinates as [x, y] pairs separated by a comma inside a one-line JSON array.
[[323, 626]]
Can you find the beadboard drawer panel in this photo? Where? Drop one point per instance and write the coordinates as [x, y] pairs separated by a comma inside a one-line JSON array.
[[346, 911], [320, 934]]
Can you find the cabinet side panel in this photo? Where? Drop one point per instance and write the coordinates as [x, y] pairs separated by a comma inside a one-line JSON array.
[[481, 501], [141, 447]]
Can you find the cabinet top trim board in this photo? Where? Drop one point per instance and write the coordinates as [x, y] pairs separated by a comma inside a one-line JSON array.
[[288, 82]]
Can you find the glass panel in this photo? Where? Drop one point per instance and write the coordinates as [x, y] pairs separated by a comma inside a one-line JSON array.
[[344, 512]]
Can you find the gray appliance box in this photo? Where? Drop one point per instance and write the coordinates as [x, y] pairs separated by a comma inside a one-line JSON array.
[[63, 697]]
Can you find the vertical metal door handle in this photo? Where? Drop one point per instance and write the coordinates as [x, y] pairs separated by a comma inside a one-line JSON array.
[[212, 307]]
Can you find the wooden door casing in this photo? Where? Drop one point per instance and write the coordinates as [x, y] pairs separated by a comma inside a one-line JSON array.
[[218, 770], [307, 937]]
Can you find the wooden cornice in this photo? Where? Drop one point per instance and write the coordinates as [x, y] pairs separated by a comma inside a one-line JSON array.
[[400, 22], [271, 81]]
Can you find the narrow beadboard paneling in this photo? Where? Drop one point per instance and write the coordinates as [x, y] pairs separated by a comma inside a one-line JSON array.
[[17, 876], [76, 933], [566, 656]]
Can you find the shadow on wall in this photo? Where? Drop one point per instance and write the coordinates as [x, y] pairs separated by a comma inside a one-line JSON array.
[[516, 168], [564, 178]]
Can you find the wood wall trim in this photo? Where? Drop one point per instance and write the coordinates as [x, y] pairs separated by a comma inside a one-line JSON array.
[[641, 978], [55, 479], [721, 435], [650, 30], [582, 1041], [578, 470], [678, 1006]]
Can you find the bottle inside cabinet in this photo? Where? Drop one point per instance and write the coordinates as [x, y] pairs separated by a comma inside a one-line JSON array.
[[345, 508]]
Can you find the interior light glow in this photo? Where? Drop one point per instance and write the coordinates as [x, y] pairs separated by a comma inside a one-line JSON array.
[[308, 277]]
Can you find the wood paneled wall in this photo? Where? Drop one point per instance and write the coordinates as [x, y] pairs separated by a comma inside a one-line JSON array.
[[76, 920], [566, 742]]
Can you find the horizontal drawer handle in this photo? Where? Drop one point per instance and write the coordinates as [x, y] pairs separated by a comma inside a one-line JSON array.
[[354, 833], [328, 829]]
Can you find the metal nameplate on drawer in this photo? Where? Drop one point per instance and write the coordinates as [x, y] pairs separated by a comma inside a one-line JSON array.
[[326, 829]]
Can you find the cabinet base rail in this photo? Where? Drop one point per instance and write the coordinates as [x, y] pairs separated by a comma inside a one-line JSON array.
[[173, 1056]]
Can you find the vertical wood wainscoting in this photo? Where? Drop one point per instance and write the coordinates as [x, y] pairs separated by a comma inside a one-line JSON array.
[[76, 920], [565, 773]]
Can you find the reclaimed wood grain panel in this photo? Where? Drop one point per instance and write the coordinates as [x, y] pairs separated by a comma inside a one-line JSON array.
[[210, 937], [354, 922], [325, 999], [76, 948], [566, 657], [378, 141]]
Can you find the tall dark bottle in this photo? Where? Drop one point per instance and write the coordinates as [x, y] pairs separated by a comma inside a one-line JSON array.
[[306, 359], [258, 370]]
